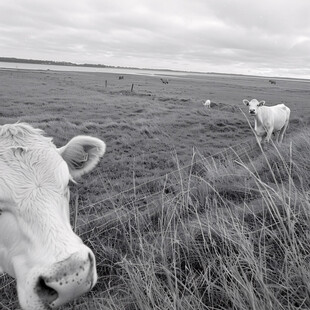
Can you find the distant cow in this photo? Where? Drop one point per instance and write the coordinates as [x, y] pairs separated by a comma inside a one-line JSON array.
[[207, 103], [121, 77], [38, 248], [272, 82], [268, 120], [165, 81]]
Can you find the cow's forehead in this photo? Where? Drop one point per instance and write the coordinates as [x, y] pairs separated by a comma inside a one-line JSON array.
[[28, 160], [254, 102], [28, 173]]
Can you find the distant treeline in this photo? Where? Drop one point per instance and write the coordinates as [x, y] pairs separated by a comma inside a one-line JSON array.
[[50, 62]]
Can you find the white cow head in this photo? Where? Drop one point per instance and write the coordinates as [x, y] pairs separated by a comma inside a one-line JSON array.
[[37, 245], [253, 105]]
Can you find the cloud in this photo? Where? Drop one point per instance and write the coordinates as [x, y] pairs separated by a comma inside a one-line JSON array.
[[204, 35]]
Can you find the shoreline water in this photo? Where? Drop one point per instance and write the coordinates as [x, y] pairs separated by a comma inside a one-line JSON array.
[[133, 71], [115, 70]]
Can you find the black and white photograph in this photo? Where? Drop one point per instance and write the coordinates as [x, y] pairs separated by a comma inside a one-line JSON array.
[[154, 155]]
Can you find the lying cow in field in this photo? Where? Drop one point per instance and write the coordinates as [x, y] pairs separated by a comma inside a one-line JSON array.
[[272, 82], [38, 248], [268, 120]]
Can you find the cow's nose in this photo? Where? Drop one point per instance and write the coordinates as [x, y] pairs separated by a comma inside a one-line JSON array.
[[67, 279], [252, 111]]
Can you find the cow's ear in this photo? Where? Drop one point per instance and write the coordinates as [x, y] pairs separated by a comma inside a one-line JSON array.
[[261, 103], [82, 154], [246, 102]]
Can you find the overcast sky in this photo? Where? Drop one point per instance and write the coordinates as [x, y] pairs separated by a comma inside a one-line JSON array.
[[262, 37]]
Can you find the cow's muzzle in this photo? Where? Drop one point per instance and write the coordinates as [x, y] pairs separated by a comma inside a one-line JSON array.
[[67, 279]]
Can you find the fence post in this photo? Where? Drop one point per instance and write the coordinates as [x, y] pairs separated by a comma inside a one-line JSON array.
[[132, 87]]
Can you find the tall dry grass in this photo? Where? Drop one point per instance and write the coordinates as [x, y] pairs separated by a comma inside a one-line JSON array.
[[233, 235]]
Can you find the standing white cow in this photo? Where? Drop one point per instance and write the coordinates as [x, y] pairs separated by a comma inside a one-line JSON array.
[[207, 103], [268, 120], [51, 264]]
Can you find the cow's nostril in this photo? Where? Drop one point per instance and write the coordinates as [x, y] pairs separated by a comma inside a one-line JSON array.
[[45, 292], [67, 279]]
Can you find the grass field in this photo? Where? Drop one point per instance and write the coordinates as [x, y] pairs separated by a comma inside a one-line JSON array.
[[173, 227]]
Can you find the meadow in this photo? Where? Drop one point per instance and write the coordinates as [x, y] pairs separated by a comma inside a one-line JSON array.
[[185, 210]]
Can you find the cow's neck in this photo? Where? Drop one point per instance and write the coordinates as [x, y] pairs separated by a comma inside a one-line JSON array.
[[259, 117]]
